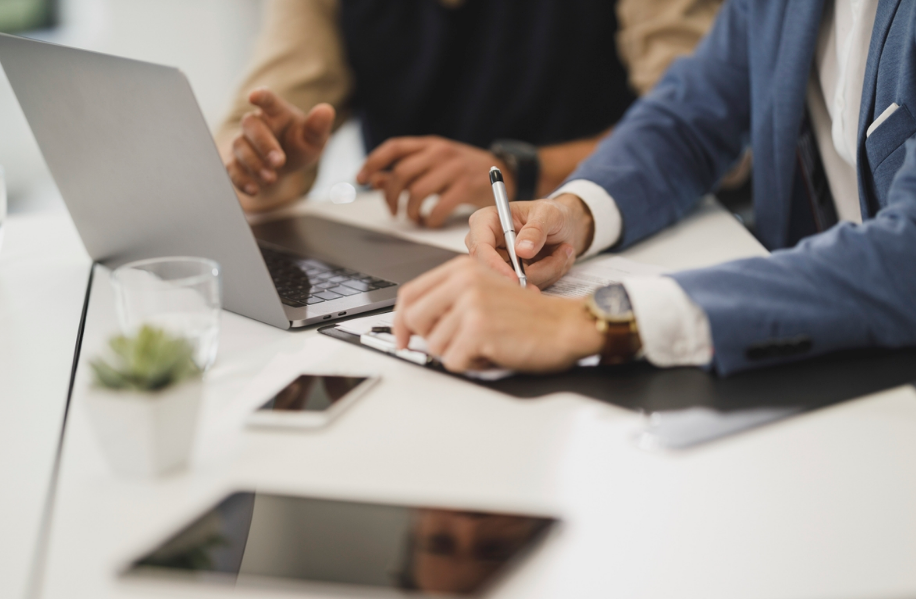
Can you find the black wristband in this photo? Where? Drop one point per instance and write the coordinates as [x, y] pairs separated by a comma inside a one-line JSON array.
[[524, 164]]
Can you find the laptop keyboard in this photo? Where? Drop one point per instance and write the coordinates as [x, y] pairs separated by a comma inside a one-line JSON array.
[[306, 281]]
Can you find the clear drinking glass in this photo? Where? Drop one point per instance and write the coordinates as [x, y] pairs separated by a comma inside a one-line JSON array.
[[182, 295], [2, 203]]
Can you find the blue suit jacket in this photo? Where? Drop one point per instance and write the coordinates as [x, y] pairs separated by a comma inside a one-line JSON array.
[[851, 286]]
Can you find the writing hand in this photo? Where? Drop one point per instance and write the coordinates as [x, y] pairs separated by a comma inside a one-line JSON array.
[[471, 317], [551, 233]]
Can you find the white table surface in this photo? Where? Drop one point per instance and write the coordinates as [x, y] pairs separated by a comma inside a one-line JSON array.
[[43, 275], [821, 505]]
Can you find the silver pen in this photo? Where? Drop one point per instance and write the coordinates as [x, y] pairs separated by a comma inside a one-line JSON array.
[[505, 219]]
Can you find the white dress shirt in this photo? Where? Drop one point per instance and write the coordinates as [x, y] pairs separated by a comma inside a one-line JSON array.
[[674, 330]]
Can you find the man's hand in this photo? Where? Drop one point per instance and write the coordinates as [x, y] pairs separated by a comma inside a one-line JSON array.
[[276, 139], [424, 166], [473, 318], [551, 233]]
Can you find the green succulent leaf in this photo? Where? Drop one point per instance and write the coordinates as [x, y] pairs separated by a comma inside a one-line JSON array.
[[151, 360]]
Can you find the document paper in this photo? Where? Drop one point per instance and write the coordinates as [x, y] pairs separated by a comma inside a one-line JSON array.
[[597, 272]]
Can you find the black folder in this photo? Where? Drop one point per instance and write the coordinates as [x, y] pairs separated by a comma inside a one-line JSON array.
[[668, 393]]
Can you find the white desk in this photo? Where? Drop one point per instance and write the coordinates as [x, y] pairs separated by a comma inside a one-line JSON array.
[[43, 275], [821, 505]]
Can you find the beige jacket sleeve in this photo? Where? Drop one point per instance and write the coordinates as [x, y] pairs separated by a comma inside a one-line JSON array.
[[299, 55], [652, 33]]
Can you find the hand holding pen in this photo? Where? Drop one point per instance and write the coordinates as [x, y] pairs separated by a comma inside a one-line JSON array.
[[505, 219], [553, 233]]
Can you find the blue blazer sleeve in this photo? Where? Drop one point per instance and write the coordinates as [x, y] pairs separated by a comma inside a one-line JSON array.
[[852, 286], [677, 142]]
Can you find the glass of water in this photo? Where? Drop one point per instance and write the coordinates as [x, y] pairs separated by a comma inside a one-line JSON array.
[[2, 203], [181, 295]]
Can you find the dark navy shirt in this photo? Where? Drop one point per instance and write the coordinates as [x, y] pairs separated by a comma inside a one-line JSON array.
[[542, 71]]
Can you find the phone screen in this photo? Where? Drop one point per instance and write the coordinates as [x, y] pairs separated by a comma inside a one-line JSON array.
[[312, 393]]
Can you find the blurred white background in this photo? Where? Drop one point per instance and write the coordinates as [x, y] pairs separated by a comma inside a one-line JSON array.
[[210, 40]]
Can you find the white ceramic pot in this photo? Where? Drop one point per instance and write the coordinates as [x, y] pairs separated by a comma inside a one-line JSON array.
[[146, 434]]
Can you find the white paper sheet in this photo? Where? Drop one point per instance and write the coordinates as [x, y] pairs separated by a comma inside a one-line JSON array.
[[597, 272]]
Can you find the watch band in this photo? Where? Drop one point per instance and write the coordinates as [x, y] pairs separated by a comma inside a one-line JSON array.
[[614, 318], [622, 343], [522, 160]]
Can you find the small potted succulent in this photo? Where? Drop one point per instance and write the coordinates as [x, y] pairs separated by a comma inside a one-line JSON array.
[[144, 401]]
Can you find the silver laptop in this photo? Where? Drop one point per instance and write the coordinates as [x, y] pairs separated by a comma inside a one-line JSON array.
[[137, 167]]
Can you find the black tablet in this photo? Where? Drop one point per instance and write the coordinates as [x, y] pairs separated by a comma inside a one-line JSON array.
[[264, 539]]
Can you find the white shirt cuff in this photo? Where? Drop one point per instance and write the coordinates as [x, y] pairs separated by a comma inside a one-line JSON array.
[[674, 330], [606, 214]]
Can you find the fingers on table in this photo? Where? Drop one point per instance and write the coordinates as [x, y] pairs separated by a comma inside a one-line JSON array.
[[422, 167], [443, 180], [455, 194], [388, 153], [406, 171], [381, 180]]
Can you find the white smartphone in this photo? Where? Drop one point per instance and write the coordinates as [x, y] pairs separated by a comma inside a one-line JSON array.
[[311, 401]]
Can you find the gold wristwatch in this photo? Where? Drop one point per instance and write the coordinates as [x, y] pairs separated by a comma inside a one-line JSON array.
[[614, 318]]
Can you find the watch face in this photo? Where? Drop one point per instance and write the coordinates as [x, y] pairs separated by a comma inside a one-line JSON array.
[[614, 302]]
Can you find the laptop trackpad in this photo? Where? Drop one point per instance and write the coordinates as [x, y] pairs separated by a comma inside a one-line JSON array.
[[371, 252]]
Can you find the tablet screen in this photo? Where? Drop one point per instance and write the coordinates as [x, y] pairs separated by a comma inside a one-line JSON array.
[[252, 538], [312, 393]]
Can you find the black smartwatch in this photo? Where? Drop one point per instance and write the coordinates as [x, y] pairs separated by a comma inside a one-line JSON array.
[[522, 160]]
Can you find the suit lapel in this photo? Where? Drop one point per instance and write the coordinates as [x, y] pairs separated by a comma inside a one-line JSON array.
[[801, 24], [884, 17]]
